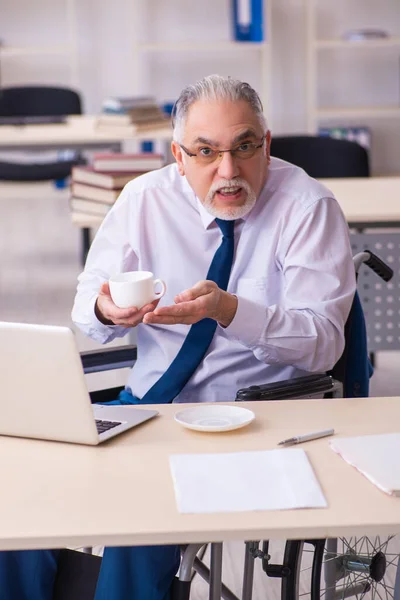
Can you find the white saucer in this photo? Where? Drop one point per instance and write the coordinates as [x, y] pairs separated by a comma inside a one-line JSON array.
[[214, 418]]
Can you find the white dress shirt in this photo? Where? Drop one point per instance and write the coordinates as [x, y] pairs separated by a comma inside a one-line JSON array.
[[292, 273]]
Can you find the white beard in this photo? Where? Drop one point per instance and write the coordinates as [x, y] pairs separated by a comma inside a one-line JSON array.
[[230, 213]]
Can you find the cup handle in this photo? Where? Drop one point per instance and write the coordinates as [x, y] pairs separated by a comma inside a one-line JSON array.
[[160, 294]]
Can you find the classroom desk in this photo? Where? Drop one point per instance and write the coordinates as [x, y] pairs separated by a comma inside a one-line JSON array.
[[365, 201], [121, 493], [368, 202], [371, 204], [79, 131]]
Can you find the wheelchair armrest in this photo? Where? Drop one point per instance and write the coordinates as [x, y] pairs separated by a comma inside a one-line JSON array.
[[118, 357], [290, 388]]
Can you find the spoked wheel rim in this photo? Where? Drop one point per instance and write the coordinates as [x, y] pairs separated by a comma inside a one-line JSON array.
[[362, 568]]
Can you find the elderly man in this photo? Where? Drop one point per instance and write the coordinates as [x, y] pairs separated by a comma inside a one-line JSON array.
[[259, 276]]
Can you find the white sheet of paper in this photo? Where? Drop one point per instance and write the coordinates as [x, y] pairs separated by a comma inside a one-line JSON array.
[[375, 456], [245, 481]]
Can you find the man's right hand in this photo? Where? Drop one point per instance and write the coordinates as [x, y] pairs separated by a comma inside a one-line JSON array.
[[109, 314]]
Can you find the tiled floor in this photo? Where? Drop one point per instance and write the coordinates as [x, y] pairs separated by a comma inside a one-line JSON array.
[[39, 265]]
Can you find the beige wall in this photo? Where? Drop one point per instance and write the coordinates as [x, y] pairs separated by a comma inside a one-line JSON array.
[[107, 32]]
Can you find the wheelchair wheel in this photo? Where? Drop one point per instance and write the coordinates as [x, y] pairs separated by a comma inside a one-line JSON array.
[[334, 569]]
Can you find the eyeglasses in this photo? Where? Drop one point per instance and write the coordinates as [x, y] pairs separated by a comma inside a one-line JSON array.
[[207, 155]]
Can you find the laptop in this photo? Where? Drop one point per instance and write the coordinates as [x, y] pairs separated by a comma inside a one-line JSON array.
[[43, 392]]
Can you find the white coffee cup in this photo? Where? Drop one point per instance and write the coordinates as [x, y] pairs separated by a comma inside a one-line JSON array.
[[135, 288]]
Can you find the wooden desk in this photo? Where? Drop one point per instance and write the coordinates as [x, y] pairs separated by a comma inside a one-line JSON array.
[[368, 201], [79, 131], [365, 201], [121, 493]]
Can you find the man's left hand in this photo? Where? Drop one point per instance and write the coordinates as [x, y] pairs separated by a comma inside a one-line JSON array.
[[204, 300]]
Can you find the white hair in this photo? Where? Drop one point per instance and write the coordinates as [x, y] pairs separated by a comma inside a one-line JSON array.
[[214, 87]]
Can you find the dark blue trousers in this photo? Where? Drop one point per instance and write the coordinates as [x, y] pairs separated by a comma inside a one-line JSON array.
[[138, 573]]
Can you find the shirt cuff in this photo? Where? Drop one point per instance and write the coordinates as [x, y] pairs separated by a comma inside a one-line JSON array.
[[248, 322], [99, 331]]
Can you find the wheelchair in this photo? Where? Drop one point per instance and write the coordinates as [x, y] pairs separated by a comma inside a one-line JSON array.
[[332, 569]]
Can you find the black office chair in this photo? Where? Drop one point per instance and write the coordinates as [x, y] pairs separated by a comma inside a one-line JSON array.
[[322, 157], [38, 102], [77, 573]]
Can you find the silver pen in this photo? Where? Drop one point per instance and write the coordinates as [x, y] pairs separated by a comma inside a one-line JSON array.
[[297, 439]]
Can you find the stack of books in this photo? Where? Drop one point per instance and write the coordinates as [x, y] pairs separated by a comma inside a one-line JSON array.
[[140, 112], [96, 187]]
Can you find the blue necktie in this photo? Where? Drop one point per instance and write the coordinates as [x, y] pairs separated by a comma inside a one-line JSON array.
[[200, 334]]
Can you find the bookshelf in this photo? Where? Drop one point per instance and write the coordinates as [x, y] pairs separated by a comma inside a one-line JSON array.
[[141, 49], [69, 49], [359, 45], [363, 112], [316, 47]]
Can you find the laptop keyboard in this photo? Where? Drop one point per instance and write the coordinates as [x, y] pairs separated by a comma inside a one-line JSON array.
[[103, 426]]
